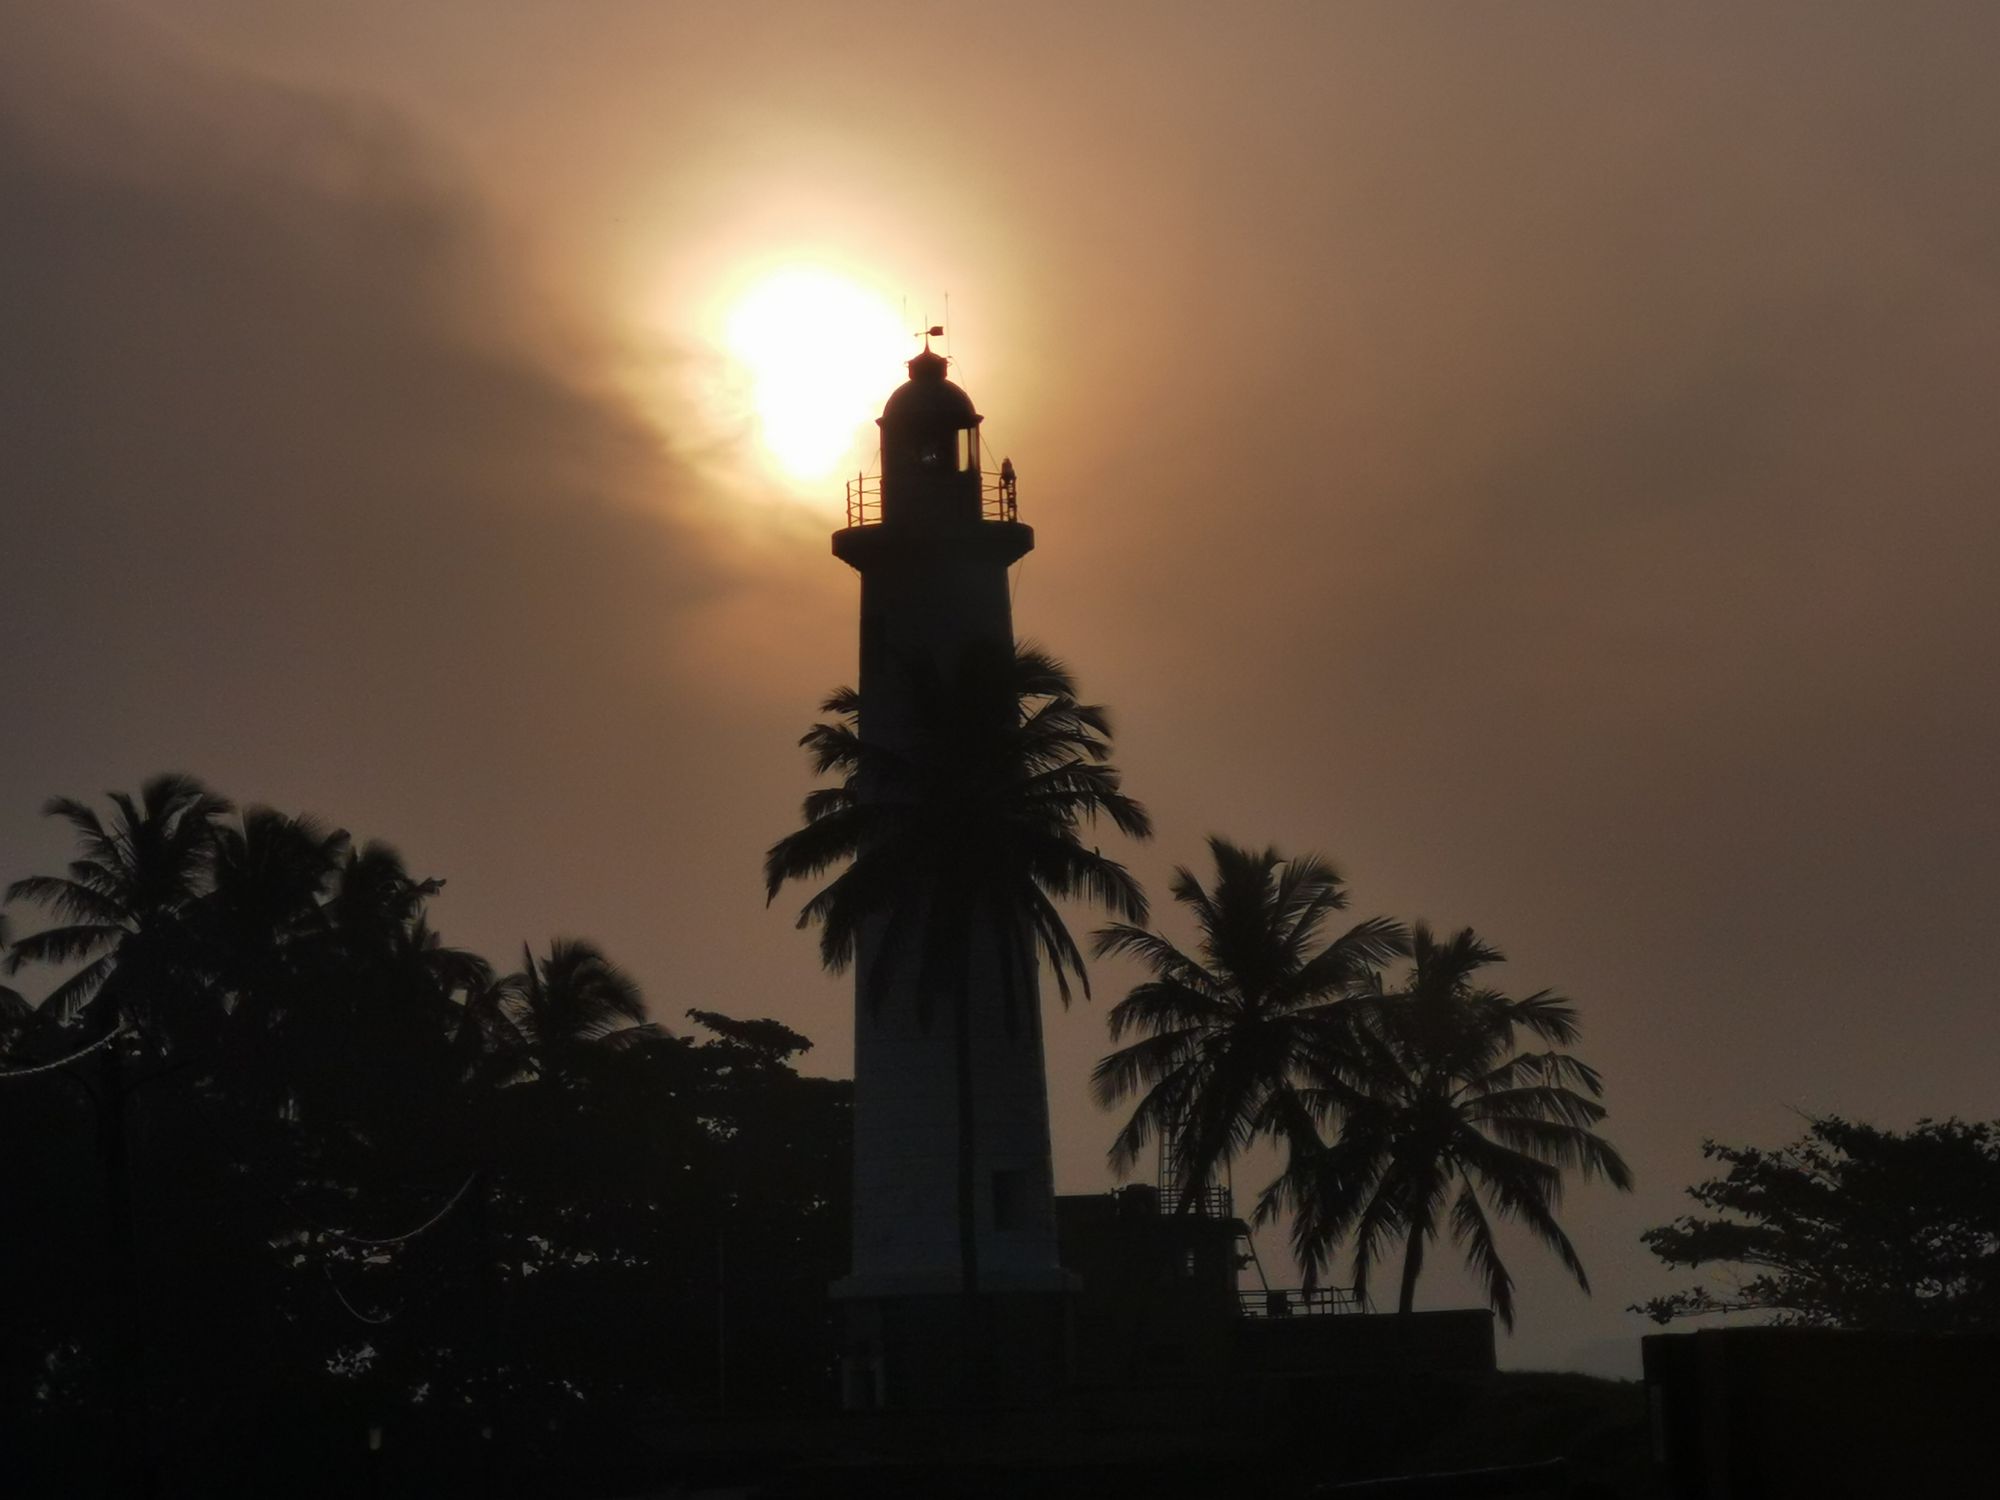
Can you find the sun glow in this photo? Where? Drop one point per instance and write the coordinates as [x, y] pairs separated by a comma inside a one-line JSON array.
[[821, 351]]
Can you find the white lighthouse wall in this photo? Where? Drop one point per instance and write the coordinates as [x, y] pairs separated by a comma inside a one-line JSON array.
[[906, 1230], [932, 600]]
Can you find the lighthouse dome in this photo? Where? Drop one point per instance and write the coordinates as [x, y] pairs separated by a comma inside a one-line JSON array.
[[927, 399]]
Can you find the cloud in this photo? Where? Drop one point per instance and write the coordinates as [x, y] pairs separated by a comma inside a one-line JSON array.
[[308, 488], [301, 472]]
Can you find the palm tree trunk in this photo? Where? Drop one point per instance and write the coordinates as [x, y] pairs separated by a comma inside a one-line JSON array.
[[127, 1348], [1413, 1264]]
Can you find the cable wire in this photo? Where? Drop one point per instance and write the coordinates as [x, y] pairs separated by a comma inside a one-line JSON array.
[[353, 1311], [62, 1062], [397, 1239]]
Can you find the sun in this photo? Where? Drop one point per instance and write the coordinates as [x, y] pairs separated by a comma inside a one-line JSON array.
[[820, 351]]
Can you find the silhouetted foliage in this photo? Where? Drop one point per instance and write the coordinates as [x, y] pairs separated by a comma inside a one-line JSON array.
[[973, 828], [960, 842], [297, 1169], [1438, 1120], [1228, 1029], [1849, 1226], [1403, 1112]]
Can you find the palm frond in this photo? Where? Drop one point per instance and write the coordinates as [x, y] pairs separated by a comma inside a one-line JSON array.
[[61, 945], [1562, 1144], [1002, 767], [1548, 1016], [1147, 1061], [68, 1000], [1122, 939], [1157, 1004], [71, 899], [1471, 1229]]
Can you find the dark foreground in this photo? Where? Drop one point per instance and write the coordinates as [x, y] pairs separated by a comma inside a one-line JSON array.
[[1200, 1443], [1281, 1440]]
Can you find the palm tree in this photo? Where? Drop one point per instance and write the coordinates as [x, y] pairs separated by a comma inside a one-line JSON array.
[[1441, 1121], [961, 843], [123, 906], [572, 999], [1226, 1029], [123, 910]]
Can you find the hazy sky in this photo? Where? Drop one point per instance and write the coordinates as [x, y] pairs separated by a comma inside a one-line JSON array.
[[1542, 456]]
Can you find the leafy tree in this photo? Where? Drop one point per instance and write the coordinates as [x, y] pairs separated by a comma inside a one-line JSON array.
[[1443, 1120], [1227, 1030], [960, 843], [1849, 1226], [276, 1081]]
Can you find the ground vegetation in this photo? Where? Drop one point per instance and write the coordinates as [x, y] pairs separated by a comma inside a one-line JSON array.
[[301, 1195]]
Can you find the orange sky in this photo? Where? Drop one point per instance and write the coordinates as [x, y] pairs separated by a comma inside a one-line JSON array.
[[1541, 456]]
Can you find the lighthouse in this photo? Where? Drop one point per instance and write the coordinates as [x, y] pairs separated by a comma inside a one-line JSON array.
[[942, 1084]]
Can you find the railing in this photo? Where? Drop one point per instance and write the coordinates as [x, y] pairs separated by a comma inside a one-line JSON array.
[[997, 501], [1296, 1302], [1212, 1202], [864, 500]]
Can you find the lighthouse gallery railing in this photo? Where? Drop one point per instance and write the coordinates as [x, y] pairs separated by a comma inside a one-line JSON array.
[[997, 500]]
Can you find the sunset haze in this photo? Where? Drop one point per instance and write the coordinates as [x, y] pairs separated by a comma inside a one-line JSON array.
[[1542, 457]]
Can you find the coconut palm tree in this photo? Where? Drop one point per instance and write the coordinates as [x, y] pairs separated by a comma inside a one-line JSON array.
[[1443, 1121], [123, 911], [570, 1000], [961, 842], [531, 1024], [123, 906], [1226, 1029]]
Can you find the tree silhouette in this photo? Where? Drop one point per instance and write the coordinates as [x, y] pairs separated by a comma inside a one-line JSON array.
[[17, 1014], [122, 912], [569, 1000], [961, 843], [1441, 1120], [277, 1081], [1228, 1029], [1850, 1226], [121, 909]]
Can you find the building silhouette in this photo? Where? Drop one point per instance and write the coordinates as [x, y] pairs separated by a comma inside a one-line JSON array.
[[933, 537]]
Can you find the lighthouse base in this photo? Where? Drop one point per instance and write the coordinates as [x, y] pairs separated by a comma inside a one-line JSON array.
[[909, 1350]]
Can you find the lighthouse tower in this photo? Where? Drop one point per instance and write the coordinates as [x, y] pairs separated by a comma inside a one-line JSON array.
[[932, 539]]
